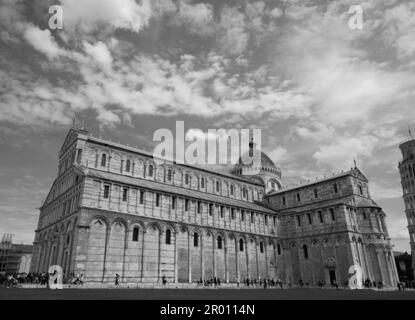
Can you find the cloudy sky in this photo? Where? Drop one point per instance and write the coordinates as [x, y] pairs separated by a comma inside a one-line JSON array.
[[321, 92]]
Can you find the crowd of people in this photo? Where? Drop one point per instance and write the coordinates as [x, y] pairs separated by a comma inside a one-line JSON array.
[[13, 279], [215, 282]]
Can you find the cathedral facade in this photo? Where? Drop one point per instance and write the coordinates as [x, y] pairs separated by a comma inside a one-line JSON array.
[[113, 210]]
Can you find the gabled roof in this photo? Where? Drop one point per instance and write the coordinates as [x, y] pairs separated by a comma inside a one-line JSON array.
[[71, 136], [179, 191], [353, 172], [250, 180], [352, 200]]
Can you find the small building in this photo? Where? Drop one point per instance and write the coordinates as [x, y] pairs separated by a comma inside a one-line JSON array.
[[404, 266], [14, 258]]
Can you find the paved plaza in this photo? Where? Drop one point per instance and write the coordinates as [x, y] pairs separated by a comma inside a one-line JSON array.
[[201, 294]]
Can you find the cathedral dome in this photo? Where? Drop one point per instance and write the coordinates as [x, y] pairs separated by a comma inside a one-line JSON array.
[[265, 161], [265, 169]]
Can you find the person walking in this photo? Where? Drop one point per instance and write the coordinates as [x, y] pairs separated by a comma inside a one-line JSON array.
[[117, 280]]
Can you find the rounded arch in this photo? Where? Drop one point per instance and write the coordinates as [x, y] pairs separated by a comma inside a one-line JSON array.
[[154, 225], [119, 221], [170, 226], [326, 242], [136, 223], [314, 242], [183, 228], [99, 217]]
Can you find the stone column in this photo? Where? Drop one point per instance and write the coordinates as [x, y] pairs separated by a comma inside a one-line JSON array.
[[371, 264], [390, 269], [70, 251], [201, 257], [159, 257], [266, 258], [395, 271], [107, 238], [214, 255], [361, 261], [256, 259], [124, 252], [247, 259], [189, 257], [176, 254], [382, 277], [368, 268], [238, 277], [310, 258], [226, 260], [143, 256]]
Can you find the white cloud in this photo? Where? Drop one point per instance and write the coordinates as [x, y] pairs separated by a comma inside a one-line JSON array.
[[91, 15], [197, 17], [399, 29], [382, 191], [397, 228], [340, 152], [99, 53], [43, 41], [234, 39], [278, 155]]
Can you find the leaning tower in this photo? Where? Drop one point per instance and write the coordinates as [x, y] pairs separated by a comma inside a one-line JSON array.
[[407, 172]]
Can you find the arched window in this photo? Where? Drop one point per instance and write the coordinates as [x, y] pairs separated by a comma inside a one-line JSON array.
[[279, 249], [195, 240], [261, 247], [217, 186], [168, 236], [241, 245], [315, 193], [219, 242], [150, 170], [103, 160], [135, 234], [169, 175], [305, 251], [202, 183], [127, 166], [231, 189], [186, 179]]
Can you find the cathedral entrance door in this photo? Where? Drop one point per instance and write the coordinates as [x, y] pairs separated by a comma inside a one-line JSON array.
[[332, 274]]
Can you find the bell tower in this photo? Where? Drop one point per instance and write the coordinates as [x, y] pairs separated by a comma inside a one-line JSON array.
[[407, 172]]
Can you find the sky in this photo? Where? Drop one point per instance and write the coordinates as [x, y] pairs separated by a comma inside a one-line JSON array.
[[322, 93]]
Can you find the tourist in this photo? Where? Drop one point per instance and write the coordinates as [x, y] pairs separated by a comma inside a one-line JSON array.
[[117, 280]]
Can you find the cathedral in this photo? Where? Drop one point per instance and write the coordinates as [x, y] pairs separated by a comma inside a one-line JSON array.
[[113, 210]]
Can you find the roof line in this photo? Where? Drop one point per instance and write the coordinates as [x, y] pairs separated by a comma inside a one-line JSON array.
[[225, 201], [148, 154], [308, 184]]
